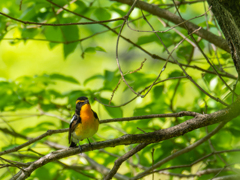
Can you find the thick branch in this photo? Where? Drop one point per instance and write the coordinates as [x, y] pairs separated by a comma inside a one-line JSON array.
[[160, 135], [227, 15], [50, 132], [155, 10], [178, 153]]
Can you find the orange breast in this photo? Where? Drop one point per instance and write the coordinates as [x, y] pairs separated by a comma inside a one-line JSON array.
[[89, 124]]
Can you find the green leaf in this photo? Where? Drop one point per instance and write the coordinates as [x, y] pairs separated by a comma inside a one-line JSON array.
[[146, 39], [226, 56], [10, 147], [167, 39], [184, 52], [208, 77], [102, 14], [64, 78], [29, 13], [73, 95], [109, 75], [29, 33], [113, 112], [97, 76], [158, 91], [81, 7], [116, 8], [42, 173], [53, 33], [94, 49], [44, 126], [139, 79], [70, 33], [175, 73], [111, 79]]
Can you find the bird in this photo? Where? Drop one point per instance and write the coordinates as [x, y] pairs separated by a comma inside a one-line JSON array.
[[84, 123]]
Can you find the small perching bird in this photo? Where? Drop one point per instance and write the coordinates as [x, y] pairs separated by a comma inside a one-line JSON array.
[[84, 123]]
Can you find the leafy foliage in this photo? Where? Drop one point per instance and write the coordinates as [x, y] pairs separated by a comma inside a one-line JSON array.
[[38, 93]]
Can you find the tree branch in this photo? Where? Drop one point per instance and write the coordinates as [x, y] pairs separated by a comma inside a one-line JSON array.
[[63, 24], [199, 121], [123, 158], [227, 15], [155, 10]]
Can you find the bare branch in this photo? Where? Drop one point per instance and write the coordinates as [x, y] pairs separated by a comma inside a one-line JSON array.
[[20, 6], [63, 24], [227, 177], [197, 161], [117, 57], [179, 114], [123, 158], [205, 54], [49, 132], [173, 27], [115, 90], [155, 10], [139, 92], [189, 77], [160, 135], [178, 153], [138, 69]]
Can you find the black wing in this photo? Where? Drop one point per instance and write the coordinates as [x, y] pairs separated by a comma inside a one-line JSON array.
[[73, 124], [95, 115]]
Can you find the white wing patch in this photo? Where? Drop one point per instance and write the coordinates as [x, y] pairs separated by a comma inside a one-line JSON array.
[[73, 118]]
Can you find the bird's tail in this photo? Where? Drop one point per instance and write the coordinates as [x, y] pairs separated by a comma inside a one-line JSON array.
[[73, 144]]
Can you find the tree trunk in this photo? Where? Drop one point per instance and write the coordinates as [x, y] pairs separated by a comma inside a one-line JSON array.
[[227, 14]]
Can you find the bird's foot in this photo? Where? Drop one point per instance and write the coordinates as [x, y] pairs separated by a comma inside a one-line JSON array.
[[90, 144], [80, 148]]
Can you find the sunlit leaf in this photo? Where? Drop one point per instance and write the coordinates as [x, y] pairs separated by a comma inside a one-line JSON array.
[[102, 14], [70, 34], [94, 49], [64, 78], [98, 76], [113, 112]]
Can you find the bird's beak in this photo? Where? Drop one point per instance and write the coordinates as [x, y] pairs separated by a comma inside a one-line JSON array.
[[86, 101]]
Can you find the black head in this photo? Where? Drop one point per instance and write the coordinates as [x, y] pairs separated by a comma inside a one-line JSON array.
[[80, 102], [82, 98]]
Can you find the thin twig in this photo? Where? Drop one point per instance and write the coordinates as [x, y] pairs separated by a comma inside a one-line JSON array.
[[49, 132], [123, 158], [179, 114], [170, 54], [117, 57], [20, 5], [204, 53], [173, 27], [189, 77], [138, 69], [61, 24], [197, 161], [115, 90], [139, 92], [160, 135], [178, 153]]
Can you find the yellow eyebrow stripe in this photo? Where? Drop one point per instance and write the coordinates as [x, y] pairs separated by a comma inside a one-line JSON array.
[[79, 101]]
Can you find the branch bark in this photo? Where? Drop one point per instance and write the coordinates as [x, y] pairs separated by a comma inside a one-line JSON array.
[[123, 158], [155, 10], [227, 15], [199, 121]]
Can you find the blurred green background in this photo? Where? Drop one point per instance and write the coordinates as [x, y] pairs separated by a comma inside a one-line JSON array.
[[41, 79]]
